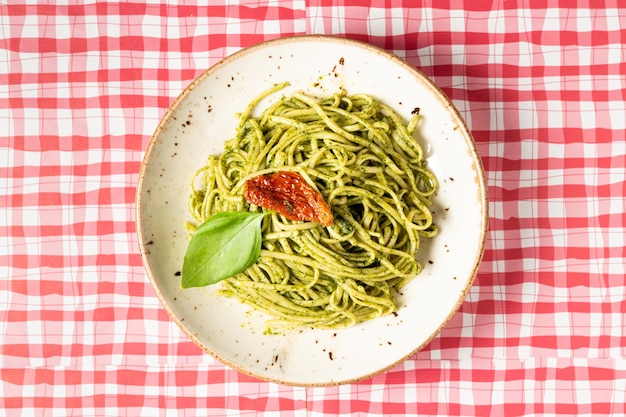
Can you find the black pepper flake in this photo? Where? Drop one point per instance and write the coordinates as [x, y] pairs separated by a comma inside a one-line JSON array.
[[342, 61], [150, 242], [416, 111], [330, 355], [178, 273], [430, 262]]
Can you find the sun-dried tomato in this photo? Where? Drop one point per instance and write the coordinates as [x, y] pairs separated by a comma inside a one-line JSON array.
[[289, 194]]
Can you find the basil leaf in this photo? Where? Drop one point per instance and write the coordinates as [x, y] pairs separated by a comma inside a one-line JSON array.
[[224, 245]]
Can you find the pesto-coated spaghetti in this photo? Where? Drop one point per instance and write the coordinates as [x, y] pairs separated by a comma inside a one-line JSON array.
[[363, 159]]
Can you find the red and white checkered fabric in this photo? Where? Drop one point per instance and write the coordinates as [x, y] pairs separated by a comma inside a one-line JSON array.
[[542, 85]]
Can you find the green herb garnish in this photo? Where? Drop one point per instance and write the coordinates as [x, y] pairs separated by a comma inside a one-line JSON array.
[[223, 246]]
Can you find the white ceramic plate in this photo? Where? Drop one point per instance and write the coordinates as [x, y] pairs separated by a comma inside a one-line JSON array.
[[203, 117]]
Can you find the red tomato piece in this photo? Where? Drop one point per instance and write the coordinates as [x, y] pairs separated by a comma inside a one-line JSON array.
[[289, 194]]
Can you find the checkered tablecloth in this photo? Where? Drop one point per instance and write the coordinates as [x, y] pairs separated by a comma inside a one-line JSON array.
[[542, 86]]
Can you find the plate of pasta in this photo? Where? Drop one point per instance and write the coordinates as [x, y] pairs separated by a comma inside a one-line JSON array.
[[311, 211]]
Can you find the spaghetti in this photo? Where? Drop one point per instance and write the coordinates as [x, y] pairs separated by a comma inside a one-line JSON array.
[[362, 158]]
